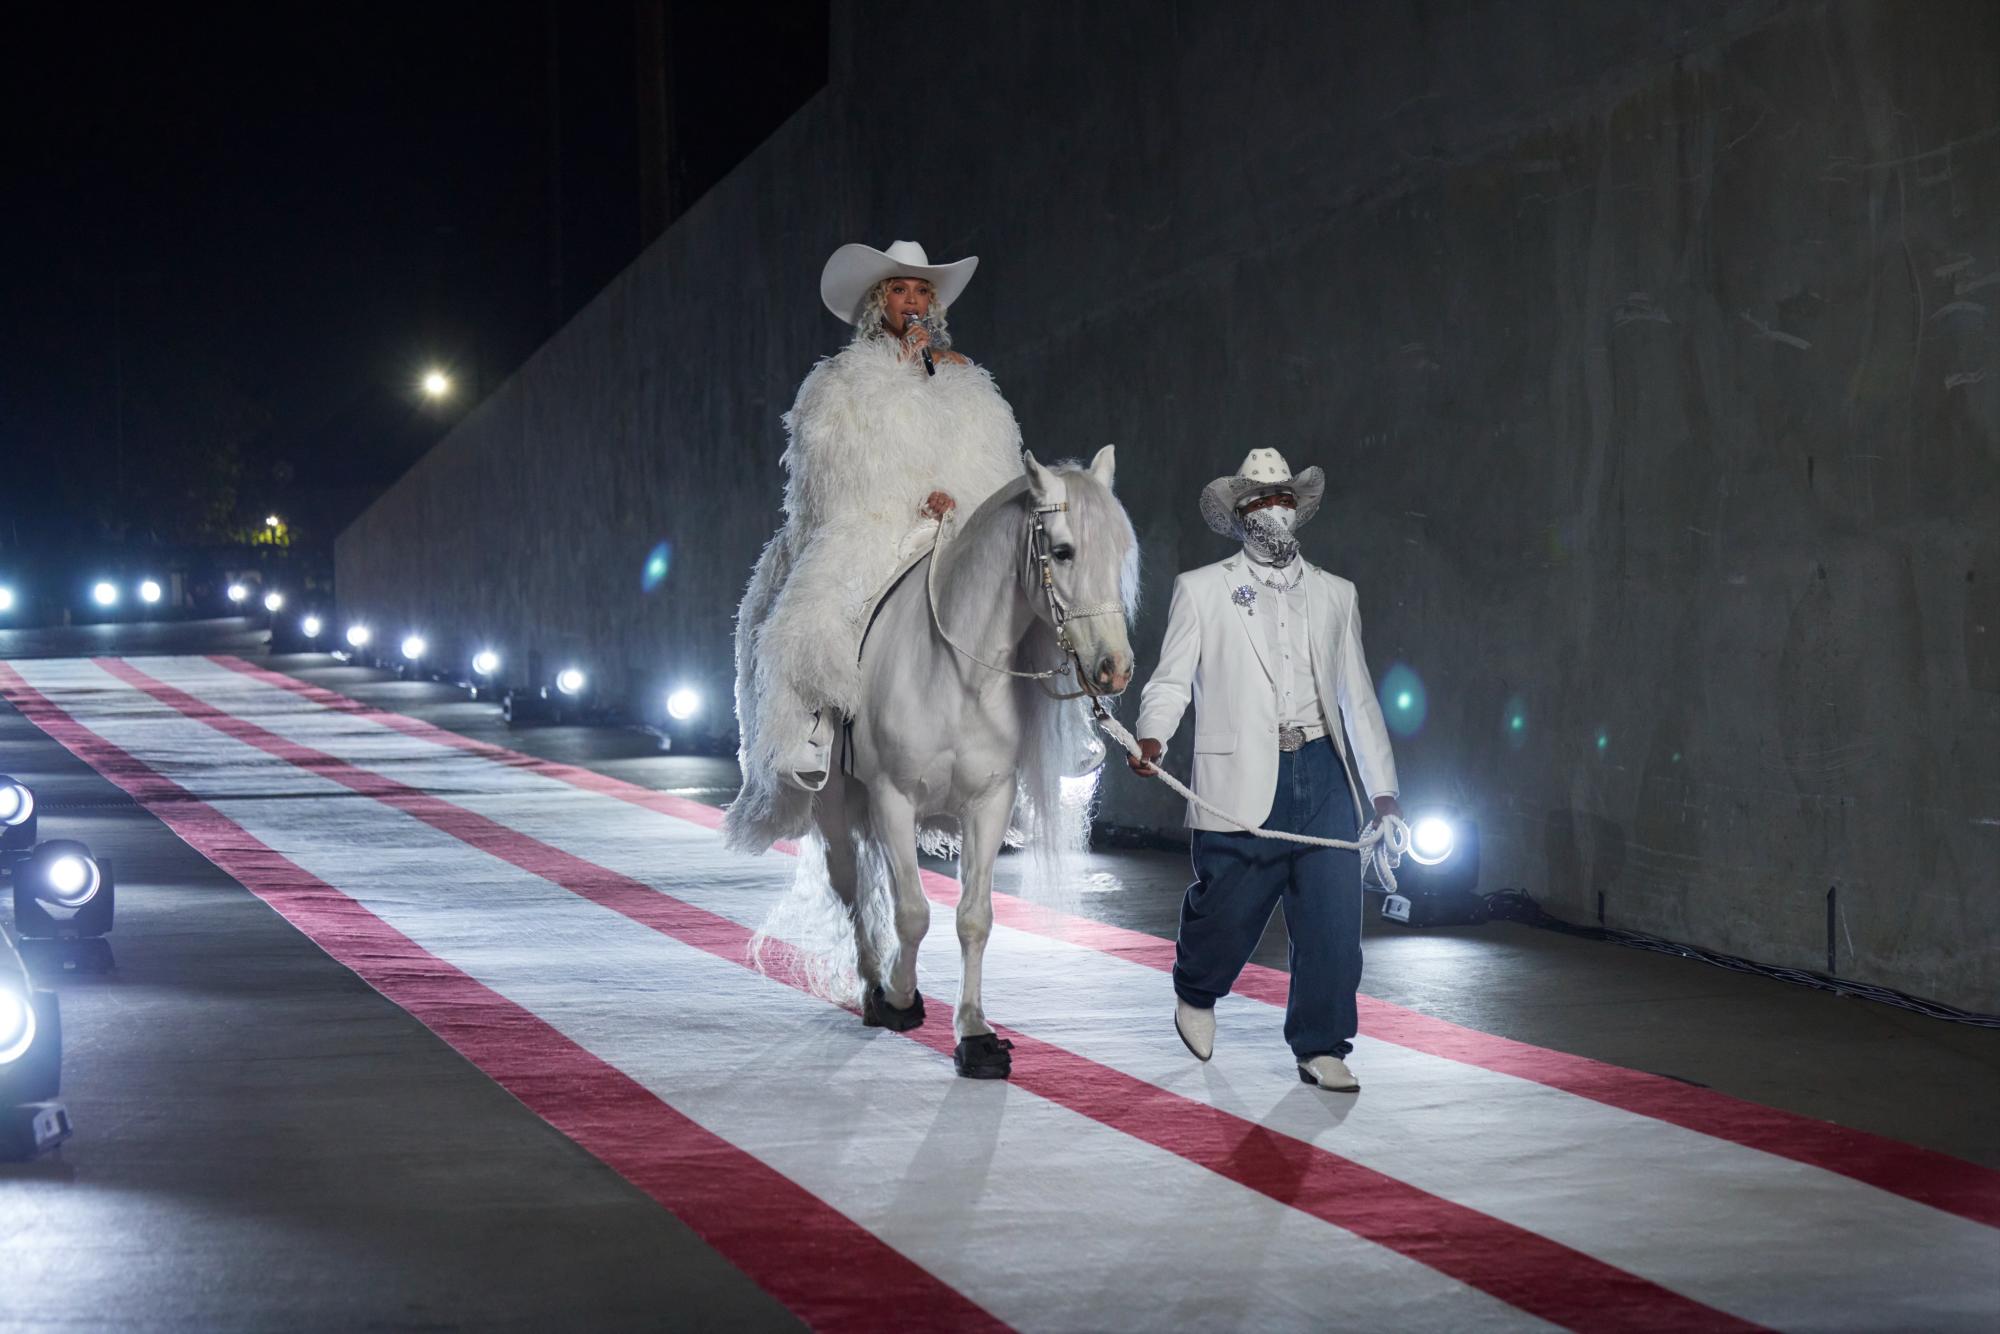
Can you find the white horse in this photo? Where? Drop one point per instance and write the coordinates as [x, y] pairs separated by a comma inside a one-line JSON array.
[[1043, 574]]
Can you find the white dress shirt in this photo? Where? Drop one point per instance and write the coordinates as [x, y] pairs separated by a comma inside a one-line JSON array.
[[1282, 602]]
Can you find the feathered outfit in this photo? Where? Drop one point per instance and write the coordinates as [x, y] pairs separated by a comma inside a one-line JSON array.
[[871, 436]]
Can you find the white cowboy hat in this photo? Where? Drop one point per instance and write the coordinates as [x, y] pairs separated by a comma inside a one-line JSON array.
[[855, 268], [1263, 472]]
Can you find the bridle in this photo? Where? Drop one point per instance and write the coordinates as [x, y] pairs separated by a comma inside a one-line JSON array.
[[1039, 553]]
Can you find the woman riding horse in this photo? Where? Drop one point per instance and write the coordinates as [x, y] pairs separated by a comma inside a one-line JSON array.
[[889, 439]]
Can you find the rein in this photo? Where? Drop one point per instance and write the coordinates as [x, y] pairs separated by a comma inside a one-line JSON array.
[[1060, 612]]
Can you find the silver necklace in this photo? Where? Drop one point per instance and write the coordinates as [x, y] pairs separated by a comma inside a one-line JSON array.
[[1282, 585]]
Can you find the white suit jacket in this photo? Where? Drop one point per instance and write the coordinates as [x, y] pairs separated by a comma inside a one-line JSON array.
[[1215, 653]]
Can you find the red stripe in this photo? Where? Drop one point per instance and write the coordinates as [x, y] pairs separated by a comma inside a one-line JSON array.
[[831, 1271], [1544, 1277], [1924, 1175]]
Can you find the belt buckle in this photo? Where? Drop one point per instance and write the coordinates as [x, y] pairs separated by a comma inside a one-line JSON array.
[[1291, 738]]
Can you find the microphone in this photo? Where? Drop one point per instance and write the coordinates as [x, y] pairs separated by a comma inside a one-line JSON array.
[[911, 323]]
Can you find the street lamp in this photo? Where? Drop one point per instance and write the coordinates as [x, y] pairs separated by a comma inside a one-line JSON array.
[[436, 384], [273, 521]]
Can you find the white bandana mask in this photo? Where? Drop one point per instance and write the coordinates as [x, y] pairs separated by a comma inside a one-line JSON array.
[[1267, 535]]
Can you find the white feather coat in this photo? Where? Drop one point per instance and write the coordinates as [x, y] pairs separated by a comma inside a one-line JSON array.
[[871, 436]]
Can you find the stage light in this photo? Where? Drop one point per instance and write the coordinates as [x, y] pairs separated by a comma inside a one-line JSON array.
[[311, 626], [570, 681], [486, 662], [17, 1023], [61, 876], [17, 802], [31, 1121], [149, 591], [683, 704], [358, 636], [17, 820], [104, 594], [63, 873], [1431, 840], [237, 593], [413, 647], [274, 601], [6, 598], [1437, 883]]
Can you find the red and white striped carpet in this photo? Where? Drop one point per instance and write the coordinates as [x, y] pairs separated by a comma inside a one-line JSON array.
[[583, 940]]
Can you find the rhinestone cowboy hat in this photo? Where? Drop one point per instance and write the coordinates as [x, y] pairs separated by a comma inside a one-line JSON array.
[[855, 268], [1264, 471]]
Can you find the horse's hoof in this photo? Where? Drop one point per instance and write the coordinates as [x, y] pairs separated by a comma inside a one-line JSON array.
[[983, 1056], [876, 1012]]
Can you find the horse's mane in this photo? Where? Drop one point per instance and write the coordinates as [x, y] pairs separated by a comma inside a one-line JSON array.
[[1052, 822], [1093, 510]]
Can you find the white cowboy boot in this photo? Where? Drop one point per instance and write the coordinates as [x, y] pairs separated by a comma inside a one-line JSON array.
[[1196, 1027], [811, 759], [1330, 1073]]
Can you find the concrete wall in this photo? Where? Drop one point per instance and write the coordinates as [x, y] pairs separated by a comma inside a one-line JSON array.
[[1647, 345]]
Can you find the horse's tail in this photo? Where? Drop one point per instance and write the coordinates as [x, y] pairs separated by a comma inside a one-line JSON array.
[[807, 938]]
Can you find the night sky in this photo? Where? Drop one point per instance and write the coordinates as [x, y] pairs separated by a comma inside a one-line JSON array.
[[235, 237]]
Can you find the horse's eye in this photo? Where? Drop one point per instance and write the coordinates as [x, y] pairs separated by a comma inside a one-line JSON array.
[[1064, 554]]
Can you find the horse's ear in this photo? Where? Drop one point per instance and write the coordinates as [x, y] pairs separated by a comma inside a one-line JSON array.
[[1040, 480], [1104, 465]]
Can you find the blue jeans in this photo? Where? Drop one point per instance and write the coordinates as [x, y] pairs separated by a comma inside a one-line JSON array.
[[1239, 880]]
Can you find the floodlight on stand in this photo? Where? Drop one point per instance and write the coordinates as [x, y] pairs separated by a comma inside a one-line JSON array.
[[149, 591], [358, 636], [571, 681], [274, 601], [485, 662], [310, 627], [64, 903], [104, 594], [413, 647], [6, 598], [683, 704], [238, 593]]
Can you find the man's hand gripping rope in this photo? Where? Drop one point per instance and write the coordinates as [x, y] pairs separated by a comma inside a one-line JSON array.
[[1383, 842]]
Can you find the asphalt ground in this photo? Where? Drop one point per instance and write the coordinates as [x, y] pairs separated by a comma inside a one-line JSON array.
[[263, 1141]]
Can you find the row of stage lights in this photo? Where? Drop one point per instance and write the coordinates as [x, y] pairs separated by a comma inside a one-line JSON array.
[[64, 899], [683, 703], [104, 593]]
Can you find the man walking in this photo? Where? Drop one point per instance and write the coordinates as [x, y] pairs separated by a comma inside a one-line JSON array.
[[1268, 647]]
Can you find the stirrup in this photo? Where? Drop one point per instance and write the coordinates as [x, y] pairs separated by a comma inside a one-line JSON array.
[[812, 759]]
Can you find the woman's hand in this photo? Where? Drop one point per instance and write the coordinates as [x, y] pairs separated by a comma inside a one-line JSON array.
[[938, 504], [916, 337]]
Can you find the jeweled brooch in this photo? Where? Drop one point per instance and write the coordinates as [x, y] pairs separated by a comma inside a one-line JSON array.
[[1246, 598]]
